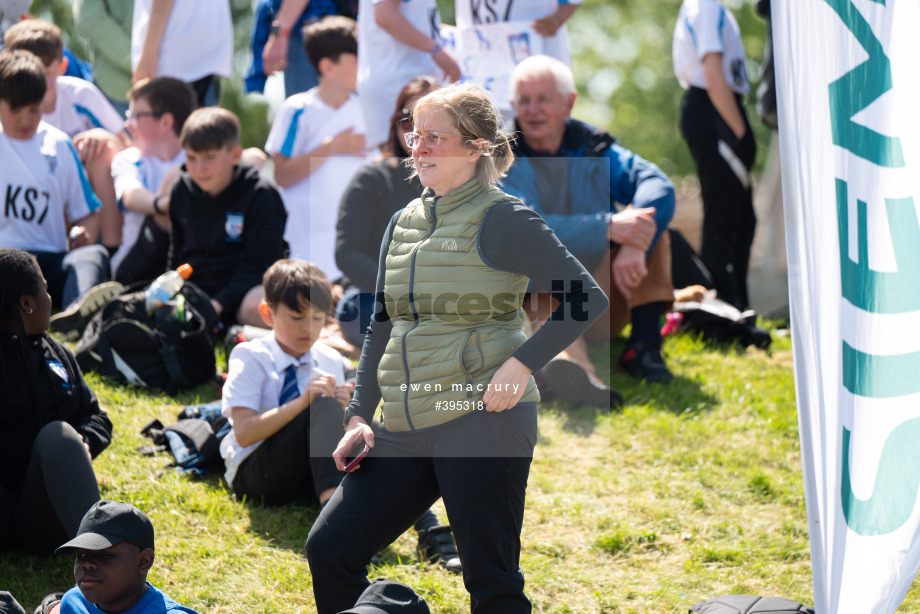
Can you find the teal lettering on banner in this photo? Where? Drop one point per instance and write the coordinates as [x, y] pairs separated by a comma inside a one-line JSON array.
[[880, 291], [859, 88], [896, 484], [880, 377]]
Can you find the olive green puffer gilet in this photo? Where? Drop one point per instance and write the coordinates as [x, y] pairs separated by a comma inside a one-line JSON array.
[[455, 319]]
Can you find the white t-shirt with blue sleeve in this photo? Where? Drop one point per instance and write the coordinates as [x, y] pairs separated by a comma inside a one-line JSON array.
[[81, 106], [304, 122], [44, 188], [705, 26]]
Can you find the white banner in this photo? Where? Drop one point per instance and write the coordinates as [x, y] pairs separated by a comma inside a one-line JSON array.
[[849, 114], [488, 53]]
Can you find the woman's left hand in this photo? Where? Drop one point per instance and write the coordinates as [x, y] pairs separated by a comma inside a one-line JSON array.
[[507, 385]]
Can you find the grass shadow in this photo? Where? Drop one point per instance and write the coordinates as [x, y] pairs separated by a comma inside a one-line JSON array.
[[283, 526]]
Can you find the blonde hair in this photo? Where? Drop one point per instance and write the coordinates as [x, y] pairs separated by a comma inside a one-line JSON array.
[[474, 115]]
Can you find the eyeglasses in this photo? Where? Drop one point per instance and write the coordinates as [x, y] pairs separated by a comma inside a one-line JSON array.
[[134, 116], [431, 139]]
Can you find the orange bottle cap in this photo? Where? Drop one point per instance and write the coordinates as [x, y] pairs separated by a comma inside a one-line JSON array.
[[185, 271]]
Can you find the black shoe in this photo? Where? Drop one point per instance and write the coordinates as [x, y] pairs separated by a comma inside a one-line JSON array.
[[570, 382], [642, 360], [72, 321], [436, 545]]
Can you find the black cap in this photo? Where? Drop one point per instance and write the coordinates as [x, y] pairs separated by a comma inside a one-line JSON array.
[[109, 522]]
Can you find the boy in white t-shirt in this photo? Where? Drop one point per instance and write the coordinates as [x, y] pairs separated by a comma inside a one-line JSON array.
[[144, 175], [50, 209], [78, 108], [317, 143]]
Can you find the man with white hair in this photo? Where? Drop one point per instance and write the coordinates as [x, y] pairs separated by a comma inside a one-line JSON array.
[[609, 207]]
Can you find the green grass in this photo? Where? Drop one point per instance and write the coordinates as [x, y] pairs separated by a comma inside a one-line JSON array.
[[692, 491]]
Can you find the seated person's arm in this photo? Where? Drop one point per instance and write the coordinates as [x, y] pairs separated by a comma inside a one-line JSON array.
[[140, 199], [91, 143], [90, 421], [291, 170], [85, 230], [636, 181], [391, 20], [251, 427]]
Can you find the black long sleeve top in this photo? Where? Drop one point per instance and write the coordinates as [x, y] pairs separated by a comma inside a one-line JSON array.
[[42, 384]]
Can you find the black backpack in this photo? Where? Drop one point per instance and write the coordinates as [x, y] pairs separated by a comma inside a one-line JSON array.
[[170, 350], [750, 604]]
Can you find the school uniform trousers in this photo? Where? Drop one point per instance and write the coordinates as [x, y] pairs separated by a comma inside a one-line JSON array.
[[723, 165]]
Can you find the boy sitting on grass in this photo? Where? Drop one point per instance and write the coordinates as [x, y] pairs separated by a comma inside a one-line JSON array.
[[49, 209], [285, 394], [143, 175], [113, 552], [226, 221]]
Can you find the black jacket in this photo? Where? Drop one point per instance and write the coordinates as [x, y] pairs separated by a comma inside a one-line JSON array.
[[231, 239], [42, 384]]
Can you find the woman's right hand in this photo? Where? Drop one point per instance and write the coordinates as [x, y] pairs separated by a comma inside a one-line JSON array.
[[357, 431]]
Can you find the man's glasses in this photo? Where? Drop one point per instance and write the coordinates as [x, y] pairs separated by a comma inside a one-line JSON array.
[[431, 139], [134, 116]]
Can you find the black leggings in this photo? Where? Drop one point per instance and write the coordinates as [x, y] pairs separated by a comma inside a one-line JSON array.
[[478, 464], [60, 486]]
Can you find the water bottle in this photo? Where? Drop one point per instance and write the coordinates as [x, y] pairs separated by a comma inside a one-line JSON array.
[[166, 286]]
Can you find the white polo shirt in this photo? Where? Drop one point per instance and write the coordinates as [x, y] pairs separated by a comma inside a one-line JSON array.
[[254, 381], [44, 188], [705, 26]]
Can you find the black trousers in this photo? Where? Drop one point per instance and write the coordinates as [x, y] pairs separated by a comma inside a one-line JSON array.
[[60, 486], [728, 204], [478, 464], [296, 460]]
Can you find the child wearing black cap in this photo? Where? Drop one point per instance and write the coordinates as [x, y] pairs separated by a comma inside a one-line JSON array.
[[113, 552]]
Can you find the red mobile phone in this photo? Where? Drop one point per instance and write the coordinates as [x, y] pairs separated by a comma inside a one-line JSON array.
[[351, 461]]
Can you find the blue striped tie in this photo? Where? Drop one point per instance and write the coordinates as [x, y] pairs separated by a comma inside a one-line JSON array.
[[289, 390]]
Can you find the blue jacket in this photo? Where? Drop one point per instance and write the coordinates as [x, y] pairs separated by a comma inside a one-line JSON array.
[[593, 198]]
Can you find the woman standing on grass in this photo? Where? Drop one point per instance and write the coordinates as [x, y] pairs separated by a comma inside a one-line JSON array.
[[51, 423], [446, 344]]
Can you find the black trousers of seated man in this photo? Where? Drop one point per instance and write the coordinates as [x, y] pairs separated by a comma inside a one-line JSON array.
[[728, 204]]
